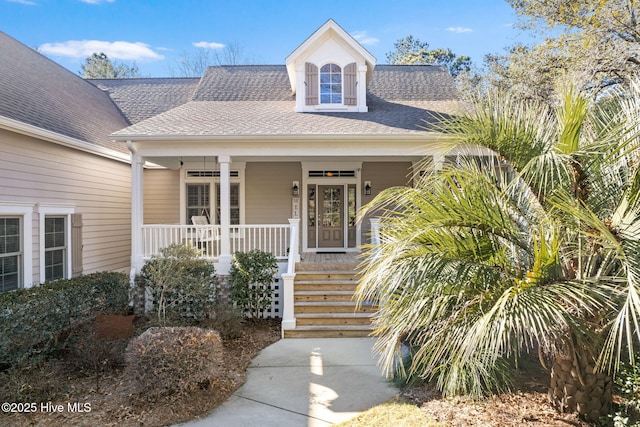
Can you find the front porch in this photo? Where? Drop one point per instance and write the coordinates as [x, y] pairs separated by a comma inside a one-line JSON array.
[[313, 290]]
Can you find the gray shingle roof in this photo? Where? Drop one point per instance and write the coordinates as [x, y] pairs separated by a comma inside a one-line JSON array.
[[245, 83], [254, 118], [257, 100], [139, 99], [37, 91]]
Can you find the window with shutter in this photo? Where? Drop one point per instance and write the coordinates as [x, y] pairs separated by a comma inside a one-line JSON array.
[[311, 82], [76, 245], [350, 83]]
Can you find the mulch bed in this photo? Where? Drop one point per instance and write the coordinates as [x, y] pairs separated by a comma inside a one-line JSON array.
[[109, 406]]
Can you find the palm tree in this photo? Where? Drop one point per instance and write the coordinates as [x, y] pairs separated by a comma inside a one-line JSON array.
[[476, 266]]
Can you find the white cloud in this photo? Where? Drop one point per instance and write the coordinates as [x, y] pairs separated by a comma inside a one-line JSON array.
[[460, 30], [97, 1], [364, 38], [209, 45], [114, 50], [24, 2]]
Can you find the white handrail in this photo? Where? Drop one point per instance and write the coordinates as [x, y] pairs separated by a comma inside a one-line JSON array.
[[272, 238]]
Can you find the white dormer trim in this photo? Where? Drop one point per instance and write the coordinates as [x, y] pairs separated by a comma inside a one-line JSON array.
[[330, 44]]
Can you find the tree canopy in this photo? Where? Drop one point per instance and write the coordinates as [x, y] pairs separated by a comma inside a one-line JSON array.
[[593, 44], [411, 50], [99, 66]]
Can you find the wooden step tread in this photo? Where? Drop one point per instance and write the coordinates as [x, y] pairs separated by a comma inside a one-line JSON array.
[[333, 315], [334, 328], [323, 292], [325, 282], [360, 333]]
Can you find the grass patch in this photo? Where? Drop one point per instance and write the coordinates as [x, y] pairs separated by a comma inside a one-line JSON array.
[[396, 412]]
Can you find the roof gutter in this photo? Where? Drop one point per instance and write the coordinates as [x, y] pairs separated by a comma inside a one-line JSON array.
[[60, 139], [301, 137]]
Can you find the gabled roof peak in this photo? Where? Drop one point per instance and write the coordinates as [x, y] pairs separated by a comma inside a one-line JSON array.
[[328, 26]]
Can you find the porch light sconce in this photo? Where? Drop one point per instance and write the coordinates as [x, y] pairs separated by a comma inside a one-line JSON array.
[[295, 189], [367, 188]]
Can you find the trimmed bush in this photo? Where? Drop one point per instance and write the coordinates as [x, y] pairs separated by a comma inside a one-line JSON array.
[[183, 285], [173, 360], [34, 321], [251, 276]]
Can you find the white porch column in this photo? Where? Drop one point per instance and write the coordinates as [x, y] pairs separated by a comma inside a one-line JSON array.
[[225, 215], [288, 315], [137, 213]]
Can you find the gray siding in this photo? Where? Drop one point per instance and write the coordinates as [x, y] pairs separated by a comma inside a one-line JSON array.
[[382, 176], [268, 191]]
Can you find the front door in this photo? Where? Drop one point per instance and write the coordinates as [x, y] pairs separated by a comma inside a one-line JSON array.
[[331, 216]]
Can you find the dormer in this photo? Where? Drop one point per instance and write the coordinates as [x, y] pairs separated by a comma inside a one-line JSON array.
[[330, 71]]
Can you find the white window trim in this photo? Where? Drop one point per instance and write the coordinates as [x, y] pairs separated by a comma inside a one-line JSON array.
[[55, 210], [26, 212], [212, 181]]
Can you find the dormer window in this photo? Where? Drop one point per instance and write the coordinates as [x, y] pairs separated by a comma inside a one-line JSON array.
[[337, 86], [330, 72], [330, 84]]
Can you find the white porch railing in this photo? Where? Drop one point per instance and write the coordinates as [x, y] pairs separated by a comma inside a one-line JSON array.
[[274, 238]]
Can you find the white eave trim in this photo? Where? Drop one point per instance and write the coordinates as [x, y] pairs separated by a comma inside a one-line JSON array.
[[418, 136], [60, 139]]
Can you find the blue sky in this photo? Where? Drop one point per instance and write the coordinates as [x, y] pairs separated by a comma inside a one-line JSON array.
[[155, 33]]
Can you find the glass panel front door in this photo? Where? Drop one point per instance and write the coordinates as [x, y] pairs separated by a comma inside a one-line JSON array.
[[331, 212]]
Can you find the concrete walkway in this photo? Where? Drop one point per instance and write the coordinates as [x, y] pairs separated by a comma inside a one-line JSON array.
[[305, 382]]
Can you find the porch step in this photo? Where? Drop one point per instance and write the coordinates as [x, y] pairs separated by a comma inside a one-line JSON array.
[[326, 285], [350, 267], [344, 319], [323, 296], [332, 275], [330, 307], [322, 332], [324, 305]]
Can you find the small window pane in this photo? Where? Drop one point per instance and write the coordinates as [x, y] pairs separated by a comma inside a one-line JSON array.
[[330, 84], [55, 244], [197, 201], [10, 254]]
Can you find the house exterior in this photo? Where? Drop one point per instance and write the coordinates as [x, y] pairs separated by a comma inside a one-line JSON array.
[[65, 185], [281, 157], [272, 157]]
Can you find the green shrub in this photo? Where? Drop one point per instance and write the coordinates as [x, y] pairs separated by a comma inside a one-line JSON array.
[[628, 382], [172, 360], [182, 284], [34, 321], [250, 277]]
